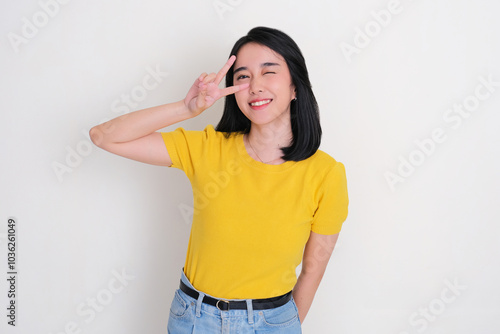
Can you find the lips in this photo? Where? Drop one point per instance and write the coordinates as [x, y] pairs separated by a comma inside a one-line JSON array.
[[259, 103]]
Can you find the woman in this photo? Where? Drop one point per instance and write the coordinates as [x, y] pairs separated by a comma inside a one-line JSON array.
[[265, 198]]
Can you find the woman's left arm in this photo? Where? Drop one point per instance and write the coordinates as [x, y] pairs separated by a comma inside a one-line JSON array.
[[317, 253]]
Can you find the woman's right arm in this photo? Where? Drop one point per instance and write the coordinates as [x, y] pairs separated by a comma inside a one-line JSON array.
[[134, 135]]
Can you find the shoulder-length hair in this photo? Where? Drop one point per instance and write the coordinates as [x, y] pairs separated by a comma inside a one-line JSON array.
[[304, 113]]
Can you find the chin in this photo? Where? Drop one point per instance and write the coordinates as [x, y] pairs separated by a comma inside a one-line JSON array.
[[260, 120]]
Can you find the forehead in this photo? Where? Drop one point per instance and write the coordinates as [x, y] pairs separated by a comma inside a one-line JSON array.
[[256, 54]]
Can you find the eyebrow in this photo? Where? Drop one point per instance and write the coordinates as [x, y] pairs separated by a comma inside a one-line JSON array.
[[244, 68]]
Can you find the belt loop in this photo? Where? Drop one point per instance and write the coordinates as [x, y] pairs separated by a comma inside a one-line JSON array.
[[250, 311], [198, 303]]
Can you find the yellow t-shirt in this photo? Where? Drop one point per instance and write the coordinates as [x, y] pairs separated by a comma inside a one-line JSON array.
[[252, 220]]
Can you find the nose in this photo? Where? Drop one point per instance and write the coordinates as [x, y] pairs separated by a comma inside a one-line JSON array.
[[255, 86]]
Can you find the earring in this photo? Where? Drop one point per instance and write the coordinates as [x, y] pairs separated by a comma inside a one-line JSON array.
[[294, 99]]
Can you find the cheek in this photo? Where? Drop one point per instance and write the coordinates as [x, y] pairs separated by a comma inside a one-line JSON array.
[[241, 99], [283, 87]]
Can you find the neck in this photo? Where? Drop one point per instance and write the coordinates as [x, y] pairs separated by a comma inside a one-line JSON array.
[[263, 138], [266, 140]]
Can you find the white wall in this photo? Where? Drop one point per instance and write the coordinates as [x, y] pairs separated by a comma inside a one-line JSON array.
[[401, 248]]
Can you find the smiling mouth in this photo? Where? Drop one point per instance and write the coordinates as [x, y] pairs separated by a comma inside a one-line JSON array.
[[260, 103]]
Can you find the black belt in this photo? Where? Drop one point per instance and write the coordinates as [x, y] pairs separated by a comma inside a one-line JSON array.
[[226, 305]]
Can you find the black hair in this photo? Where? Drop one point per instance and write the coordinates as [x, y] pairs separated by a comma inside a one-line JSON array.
[[304, 112]]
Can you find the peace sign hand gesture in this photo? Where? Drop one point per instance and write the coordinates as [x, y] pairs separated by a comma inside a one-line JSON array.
[[205, 90]]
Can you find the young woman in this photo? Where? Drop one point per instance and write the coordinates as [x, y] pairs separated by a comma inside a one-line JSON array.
[[265, 197]]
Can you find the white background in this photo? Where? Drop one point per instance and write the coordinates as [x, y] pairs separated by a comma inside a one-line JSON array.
[[400, 249]]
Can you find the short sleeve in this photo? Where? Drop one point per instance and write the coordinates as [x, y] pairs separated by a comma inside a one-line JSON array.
[[333, 202], [186, 147]]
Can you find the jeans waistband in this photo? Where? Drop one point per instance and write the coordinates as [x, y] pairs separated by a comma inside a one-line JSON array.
[[186, 281]]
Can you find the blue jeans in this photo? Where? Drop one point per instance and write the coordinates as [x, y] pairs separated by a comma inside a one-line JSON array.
[[188, 315]]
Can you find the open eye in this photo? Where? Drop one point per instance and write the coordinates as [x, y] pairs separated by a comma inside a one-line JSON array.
[[240, 77]]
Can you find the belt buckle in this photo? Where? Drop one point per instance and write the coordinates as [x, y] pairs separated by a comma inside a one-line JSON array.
[[225, 301]]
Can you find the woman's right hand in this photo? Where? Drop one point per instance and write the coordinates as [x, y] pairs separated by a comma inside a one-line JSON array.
[[205, 90]]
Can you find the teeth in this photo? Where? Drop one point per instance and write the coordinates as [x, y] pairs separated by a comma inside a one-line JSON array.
[[260, 103]]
